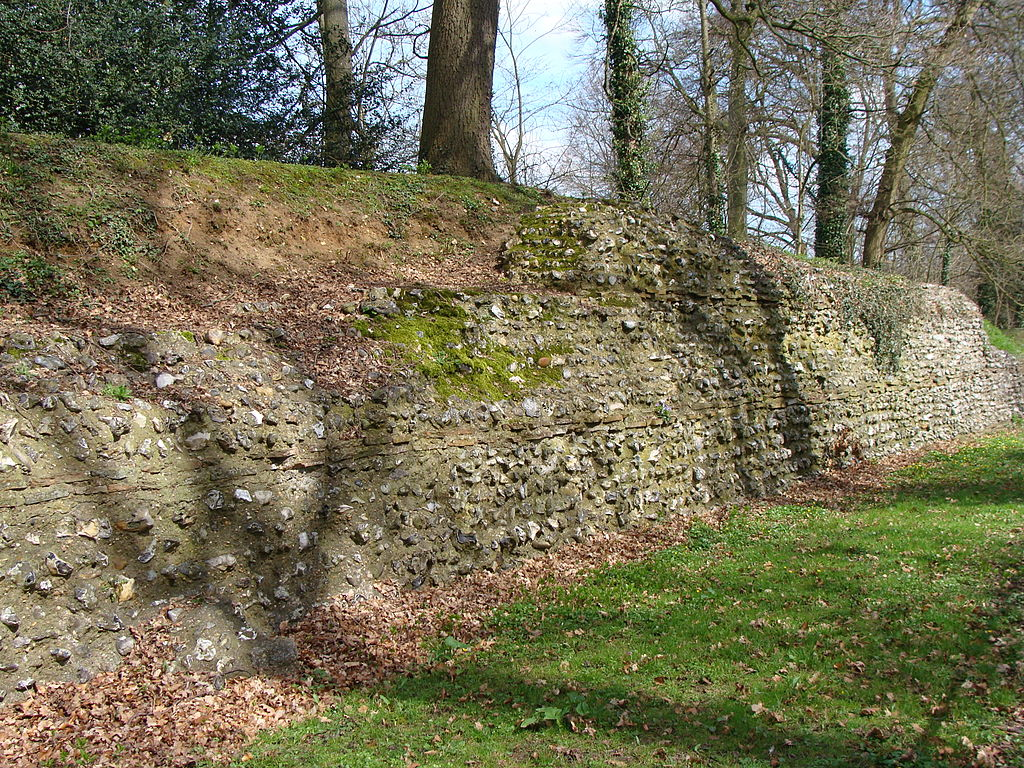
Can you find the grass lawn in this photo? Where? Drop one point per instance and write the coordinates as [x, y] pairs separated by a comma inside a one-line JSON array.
[[881, 632], [1011, 340]]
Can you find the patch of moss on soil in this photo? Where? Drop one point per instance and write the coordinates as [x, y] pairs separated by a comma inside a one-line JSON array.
[[59, 195]]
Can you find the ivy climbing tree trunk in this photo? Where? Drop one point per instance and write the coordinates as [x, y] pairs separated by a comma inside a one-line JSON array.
[[626, 89], [339, 83], [905, 128], [712, 183], [455, 138], [832, 210]]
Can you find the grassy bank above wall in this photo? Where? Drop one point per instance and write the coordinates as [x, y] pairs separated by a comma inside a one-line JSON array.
[[107, 213]]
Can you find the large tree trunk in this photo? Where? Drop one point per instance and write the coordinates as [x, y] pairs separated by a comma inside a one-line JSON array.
[[460, 70], [832, 209], [626, 91], [742, 16], [712, 186], [339, 83], [905, 129]]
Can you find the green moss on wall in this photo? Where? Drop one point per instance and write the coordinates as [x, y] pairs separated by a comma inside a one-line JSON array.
[[621, 300], [431, 333]]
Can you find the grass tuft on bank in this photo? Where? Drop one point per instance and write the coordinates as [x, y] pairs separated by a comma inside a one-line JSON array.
[[1008, 341], [880, 632]]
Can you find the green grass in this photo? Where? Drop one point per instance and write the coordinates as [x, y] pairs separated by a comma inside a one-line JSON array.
[[396, 196], [878, 633], [117, 391], [1008, 341]]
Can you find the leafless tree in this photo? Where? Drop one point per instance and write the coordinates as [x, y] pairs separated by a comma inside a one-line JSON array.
[[526, 101], [905, 125]]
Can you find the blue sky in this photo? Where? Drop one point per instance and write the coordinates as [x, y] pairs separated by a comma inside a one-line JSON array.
[[551, 40]]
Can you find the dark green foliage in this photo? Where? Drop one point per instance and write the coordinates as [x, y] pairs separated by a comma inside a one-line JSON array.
[[627, 91], [995, 242], [1003, 304], [716, 201], [26, 276], [832, 222], [174, 73], [378, 137]]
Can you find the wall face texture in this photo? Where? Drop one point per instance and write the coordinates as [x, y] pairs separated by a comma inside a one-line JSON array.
[[654, 371]]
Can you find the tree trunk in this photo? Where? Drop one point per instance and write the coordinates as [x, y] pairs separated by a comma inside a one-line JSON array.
[[905, 129], [713, 189], [455, 138], [947, 261], [339, 84], [627, 93], [742, 17], [832, 211]]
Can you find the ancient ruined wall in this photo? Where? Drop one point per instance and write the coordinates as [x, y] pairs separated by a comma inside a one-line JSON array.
[[652, 371]]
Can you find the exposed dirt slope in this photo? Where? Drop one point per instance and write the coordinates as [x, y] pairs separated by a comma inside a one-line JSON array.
[[101, 238]]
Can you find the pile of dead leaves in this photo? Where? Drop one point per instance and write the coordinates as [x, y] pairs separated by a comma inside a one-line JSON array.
[[140, 715]]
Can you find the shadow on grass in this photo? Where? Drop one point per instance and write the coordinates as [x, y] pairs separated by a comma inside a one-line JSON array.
[[949, 664], [740, 718], [620, 718], [992, 473]]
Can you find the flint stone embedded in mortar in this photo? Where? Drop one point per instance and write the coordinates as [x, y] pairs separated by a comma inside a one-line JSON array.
[[676, 400]]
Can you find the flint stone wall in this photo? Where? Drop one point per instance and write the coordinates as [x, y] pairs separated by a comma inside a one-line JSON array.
[[689, 375]]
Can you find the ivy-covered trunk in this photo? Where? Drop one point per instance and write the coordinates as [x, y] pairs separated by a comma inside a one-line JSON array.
[[714, 200], [832, 216], [627, 91], [713, 187]]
